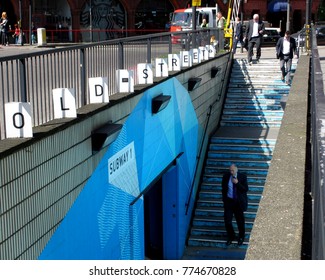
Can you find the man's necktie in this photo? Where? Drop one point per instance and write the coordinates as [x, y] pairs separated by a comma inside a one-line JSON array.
[[234, 194]]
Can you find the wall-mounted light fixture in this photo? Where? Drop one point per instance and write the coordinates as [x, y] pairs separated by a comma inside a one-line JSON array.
[[104, 136], [214, 71], [192, 82], [159, 103]]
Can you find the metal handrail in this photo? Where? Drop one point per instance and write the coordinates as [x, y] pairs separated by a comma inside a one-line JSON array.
[[317, 154], [204, 135], [31, 77]]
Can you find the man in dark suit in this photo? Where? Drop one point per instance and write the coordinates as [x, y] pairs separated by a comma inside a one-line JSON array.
[[238, 35], [254, 35], [286, 48], [234, 196]]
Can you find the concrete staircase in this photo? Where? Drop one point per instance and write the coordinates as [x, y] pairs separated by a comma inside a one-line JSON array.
[[247, 135]]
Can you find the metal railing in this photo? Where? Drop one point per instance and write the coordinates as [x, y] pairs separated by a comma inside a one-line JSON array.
[[317, 154], [205, 132], [32, 77], [303, 39], [66, 35]]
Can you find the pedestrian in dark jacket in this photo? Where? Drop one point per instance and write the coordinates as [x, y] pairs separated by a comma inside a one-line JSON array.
[[254, 36], [286, 48], [234, 196], [238, 35]]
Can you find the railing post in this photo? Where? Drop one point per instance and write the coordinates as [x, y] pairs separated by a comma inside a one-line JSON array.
[[83, 75], [148, 50], [22, 76], [121, 55]]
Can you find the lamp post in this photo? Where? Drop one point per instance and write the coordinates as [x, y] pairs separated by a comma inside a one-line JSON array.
[[307, 12], [20, 26], [307, 25], [242, 22], [30, 23], [288, 16], [90, 21]]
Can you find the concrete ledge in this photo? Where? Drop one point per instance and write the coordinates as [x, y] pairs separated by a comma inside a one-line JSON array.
[[277, 231]]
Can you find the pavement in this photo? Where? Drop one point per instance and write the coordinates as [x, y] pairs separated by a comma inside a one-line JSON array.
[[6, 51]]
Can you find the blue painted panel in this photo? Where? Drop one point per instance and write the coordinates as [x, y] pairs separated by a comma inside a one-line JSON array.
[[102, 223]]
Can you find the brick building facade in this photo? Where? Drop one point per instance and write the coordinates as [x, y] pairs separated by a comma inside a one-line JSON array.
[[146, 14]]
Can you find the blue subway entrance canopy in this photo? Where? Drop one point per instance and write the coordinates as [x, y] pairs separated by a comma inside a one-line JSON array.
[[277, 6]]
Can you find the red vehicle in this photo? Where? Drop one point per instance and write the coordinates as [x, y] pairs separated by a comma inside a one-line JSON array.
[[181, 19]]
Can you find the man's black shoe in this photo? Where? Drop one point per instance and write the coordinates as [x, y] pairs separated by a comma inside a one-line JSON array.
[[240, 241], [229, 241]]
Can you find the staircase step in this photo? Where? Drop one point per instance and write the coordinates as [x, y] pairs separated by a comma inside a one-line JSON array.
[[258, 85], [281, 91], [221, 165], [268, 150], [242, 141], [211, 194], [256, 112], [214, 253], [217, 202], [243, 165], [212, 231], [211, 201], [257, 96], [219, 212], [258, 81], [215, 187], [253, 102], [242, 118], [216, 173], [239, 156], [255, 90], [212, 181], [251, 123], [217, 180], [267, 107], [247, 164], [213, 242], [257, 68], [218, 221], [267, 74]]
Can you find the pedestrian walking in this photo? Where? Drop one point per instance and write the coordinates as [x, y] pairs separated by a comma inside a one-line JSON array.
[[16, 33], [254, 33], [238, 35], [286, 48], [234, 196], [4, 29]]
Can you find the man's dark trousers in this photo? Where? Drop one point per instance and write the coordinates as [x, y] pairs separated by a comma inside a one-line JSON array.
[[254, 41], [232, 208]]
